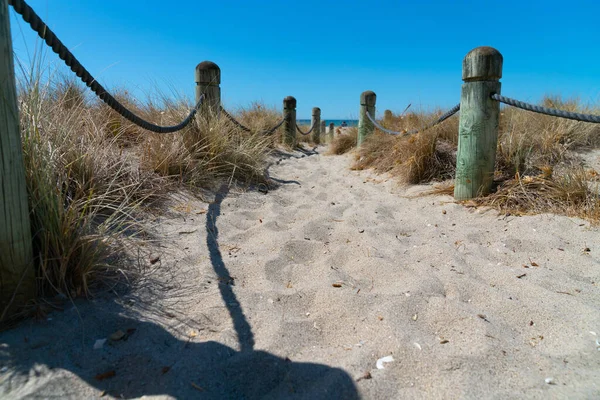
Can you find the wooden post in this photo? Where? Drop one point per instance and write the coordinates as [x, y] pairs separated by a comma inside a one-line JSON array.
[[17, 274], [365, 126], [478, 126], [323, 127], [316, 122], [331, 127], [387, 117], [289, 124], [208, 79]]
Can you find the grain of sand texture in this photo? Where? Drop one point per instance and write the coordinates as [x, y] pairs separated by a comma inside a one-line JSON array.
[[298, 292]]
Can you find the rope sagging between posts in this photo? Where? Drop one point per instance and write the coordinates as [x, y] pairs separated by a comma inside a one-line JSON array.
[[245, 128], [381, 128], [45, 33], [441, 119], [595, 119], [305, 133]]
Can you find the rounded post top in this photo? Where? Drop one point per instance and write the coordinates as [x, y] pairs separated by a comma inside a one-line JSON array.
[[482, 64], [316, 111], [207, 72], [368, 98], [289, 102]]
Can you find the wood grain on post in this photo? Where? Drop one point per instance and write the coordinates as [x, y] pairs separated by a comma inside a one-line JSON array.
[[365, 126], [208, 79], [316, 122], [323, 127], [331, 128], [17, 274], [289, 124], [478, 126]]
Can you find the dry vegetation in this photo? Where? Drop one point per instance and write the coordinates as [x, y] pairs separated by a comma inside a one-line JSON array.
[[537, 168], [92, 175], [343, 142]]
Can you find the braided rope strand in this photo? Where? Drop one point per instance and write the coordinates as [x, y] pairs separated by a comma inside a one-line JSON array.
[[305, 133], [46, 34], [245, 128], [441, 119], [235, 121], [381, 128], [595, 119]]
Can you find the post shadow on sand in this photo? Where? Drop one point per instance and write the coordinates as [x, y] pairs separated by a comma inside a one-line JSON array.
[[151, 361]]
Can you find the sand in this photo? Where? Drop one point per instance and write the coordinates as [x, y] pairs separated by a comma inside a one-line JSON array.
[[298, 291]]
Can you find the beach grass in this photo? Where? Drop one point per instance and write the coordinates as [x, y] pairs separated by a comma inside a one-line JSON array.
[[92, 175], [343, 142], [537, 166]]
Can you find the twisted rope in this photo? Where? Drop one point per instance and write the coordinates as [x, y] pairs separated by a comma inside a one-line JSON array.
[[244, 128], [29, 16], [548, 111], [305, 133], [381, 128], [441, 119], [235, 121]]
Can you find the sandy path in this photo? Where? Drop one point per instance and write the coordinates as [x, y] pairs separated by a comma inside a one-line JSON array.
[[469, 304]]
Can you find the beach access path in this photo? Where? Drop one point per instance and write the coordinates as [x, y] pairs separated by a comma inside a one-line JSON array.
[[299, 290]]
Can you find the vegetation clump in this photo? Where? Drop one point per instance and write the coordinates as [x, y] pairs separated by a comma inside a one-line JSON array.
[[537, 166]]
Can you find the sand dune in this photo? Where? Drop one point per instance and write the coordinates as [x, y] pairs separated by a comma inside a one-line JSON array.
[[298, 292]]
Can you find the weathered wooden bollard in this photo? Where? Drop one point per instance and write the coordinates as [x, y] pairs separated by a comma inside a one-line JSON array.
[[289, 124], [17, 273], [208, 79], [365, 126], [388, 117], [478, 126], [316, 122], [331, 128], [323, 127]]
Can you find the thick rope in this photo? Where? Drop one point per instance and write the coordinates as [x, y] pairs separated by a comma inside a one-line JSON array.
[[381, 128], [246, 129], [235, 121], [63, 52], [441, 119], [305, 133], [595, 119]]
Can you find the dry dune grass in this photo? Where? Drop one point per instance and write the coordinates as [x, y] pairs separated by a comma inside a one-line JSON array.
[[258, 117], [415, 158], [91, 174], [343, 142], [536, 168], [570, 193]]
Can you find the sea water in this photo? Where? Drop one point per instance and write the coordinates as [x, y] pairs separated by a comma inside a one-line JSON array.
[[336, 122]]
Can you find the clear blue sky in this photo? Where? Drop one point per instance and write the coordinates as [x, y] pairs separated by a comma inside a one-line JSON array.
[[326, 53]]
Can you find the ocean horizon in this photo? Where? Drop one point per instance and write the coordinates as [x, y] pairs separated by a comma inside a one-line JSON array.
[[336, 122]]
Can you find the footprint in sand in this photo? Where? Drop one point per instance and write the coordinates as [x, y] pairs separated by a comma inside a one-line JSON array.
[[292, 261]]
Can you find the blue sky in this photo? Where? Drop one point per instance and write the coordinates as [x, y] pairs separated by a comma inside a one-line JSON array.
[[326, 53]]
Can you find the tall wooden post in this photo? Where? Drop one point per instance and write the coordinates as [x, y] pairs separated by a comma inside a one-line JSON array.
[[365, 126], [323, 127], [17, 274], [478, 126], [289, 124], [316, 122], [331, 127], [208, 79]]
